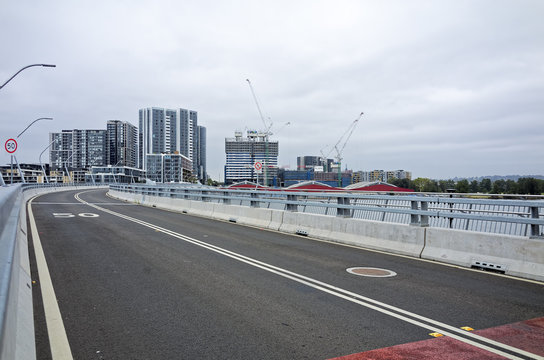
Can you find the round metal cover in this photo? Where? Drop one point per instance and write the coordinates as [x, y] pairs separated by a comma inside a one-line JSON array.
[[371, 272]]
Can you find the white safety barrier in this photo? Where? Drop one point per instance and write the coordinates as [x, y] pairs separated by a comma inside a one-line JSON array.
[[17, 339], [513, 255]]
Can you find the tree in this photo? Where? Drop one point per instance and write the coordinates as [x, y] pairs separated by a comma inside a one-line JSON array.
[[474, 186], [511, 187], [499, 187], [530, 186], [425, 185], [444, 185], [485, 185], [462, 186]]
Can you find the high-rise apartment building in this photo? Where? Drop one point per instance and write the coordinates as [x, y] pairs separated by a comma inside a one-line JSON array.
[[242, 154], [201, 160], [60, 150], [77, 149], [169, 131], [121, 143]]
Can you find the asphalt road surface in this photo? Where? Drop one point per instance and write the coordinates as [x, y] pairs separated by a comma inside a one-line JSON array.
[[134, 282]]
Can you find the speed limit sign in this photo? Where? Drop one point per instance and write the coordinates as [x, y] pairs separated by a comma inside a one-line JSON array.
[[11, 146]]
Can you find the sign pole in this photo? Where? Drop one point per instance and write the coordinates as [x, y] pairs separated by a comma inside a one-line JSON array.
[[11, 147]]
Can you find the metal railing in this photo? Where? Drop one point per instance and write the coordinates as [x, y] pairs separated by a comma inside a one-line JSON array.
[[523, 216]]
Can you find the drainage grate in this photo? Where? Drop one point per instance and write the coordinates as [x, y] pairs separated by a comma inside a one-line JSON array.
[[486, 265], [301, 232]]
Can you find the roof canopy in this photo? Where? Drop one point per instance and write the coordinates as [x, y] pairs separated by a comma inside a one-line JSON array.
[[247, 185], [375, 186], [312, 186]]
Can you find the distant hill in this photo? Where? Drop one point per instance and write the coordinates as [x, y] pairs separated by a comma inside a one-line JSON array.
[[499, 177]]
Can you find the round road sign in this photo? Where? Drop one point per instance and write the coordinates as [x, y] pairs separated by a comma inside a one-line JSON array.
[[258, 165], [11, 146]]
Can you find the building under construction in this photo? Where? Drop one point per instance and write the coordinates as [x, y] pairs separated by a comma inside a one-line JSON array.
[[243, 153]]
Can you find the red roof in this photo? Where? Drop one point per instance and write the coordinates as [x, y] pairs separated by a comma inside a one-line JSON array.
[[246, 185], [383, 188], [312, 186]]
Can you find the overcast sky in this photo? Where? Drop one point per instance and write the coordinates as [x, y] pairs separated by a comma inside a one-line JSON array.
[[448, 88]]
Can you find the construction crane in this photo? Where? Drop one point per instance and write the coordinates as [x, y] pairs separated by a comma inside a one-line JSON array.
[[267, 127], [341, 145], [267, 132]]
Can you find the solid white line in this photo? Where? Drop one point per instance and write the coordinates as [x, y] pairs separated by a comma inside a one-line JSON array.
[[79, 203], [58, 340], [339, 292]]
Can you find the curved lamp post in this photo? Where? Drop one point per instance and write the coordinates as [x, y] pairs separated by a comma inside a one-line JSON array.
[[32, 123], [26, 67], [41, 164]]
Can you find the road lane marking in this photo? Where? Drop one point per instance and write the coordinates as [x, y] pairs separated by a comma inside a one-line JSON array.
[[407, 316], [78, 203], [358, 247], [58, 340]]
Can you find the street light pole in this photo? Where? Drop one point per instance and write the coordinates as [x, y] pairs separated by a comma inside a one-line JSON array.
[[26, 67], [43, 170], [32, 123]]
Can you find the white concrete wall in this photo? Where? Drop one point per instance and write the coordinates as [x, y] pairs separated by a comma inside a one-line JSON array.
[[522, 256], [18, 341]]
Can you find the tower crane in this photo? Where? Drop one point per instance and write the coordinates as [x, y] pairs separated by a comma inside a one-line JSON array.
[[267, 131], [341, 144], [267, 128]]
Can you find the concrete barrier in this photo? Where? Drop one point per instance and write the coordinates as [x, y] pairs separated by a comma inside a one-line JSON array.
[[16, 310], [394, 238], [318, 226], [518, 256], [515, 255]]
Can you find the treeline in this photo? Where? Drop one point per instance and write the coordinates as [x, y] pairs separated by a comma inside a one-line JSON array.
[[526, 185]]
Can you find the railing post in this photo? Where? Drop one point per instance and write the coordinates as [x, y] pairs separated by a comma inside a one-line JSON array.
[[226, 199], [343, 212], [253, 203], [535, 228], [289, 206], [414, 218], [424, 219], [204, 196], [186, 193]]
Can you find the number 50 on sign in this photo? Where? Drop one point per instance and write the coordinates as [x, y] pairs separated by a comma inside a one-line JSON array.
[[11, 146]]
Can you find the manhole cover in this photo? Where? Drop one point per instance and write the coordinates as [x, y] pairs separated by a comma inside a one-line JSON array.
[[371, 272]]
